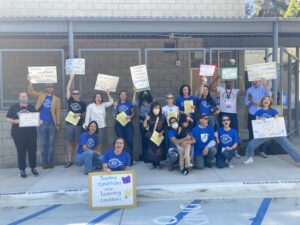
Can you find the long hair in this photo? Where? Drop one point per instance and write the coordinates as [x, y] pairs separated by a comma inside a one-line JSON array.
[[261, 104], [119, 100], [94, 97], [90, 123], [154, 105], [181, 89], [148, 98], [209, 98]]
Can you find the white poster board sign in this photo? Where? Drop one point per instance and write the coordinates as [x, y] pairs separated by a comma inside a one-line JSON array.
[[267, 71], [139, 77], [42, 74], [207, 70], [75, 66], [29, 119], [229, 73], [271, 127], [106, 82], [112, 190]]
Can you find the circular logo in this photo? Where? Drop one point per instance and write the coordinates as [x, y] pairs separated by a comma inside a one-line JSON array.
[[205, 104], [75, 107], [114, 163], [90, 142], [47, 103], [122, 108], [225, 139]]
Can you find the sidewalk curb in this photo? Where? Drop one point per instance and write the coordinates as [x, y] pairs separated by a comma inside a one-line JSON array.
[[247, 189]]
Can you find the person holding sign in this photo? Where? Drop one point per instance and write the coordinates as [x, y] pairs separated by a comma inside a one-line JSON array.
[[267, 112], [253, 97], [96, 111], [187, 103], [87, 154], [154, 124], [144, 101], [124, 108], [24, 137], [227, 140], [49, 107], [116, 159], [73, 130]]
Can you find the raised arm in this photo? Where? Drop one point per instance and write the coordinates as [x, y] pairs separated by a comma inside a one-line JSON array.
[[31, 90], [213, 86], [202, 83], [68, 89], [242, 86], [134, 95]]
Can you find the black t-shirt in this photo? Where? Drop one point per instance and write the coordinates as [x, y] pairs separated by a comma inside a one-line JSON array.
[[16, 131], [77, 107]]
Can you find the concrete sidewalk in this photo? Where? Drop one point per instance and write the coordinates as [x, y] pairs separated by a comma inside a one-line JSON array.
[[276, 176]]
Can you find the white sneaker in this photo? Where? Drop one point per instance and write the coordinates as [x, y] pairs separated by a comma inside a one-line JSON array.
[[231, 163], [249, 160]]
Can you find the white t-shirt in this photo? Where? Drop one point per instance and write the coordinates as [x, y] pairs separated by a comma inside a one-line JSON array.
[[97, 113], [166, 110], [228, 99]]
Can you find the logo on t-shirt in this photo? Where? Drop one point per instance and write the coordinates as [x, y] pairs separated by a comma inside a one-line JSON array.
[[75, 106], [204, 137], [114, 163], [225, 139], [47, 103], [22, 111], [266, 115], [90, 142], [205, 104], [122, 108]]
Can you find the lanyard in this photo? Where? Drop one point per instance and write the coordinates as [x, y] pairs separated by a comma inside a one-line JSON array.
[[228, 95]]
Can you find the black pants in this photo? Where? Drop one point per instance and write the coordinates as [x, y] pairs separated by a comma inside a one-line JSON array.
[[250, 128], [24, 145]]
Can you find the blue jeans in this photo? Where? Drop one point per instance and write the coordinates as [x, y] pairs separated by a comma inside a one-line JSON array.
[[201, 160], [222, 156], [126, 132], [89, 159], [47, 132]]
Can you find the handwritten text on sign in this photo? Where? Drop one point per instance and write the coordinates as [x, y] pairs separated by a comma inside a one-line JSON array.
[[139, 77], [207, 70], [106, 83], [43, 74], [270, 127], [75, 66], [112, 190], [260, 71]]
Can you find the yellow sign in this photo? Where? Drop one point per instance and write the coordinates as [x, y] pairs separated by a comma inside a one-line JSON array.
[[189, 106], [122, 118], [172, 114], [156, 138], [72, 118], [112, 190]]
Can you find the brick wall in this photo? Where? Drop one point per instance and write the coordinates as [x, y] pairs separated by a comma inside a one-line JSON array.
[[123, 8]]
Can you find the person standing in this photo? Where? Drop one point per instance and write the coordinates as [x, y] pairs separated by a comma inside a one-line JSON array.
[[72, 132], [48, 106], [24, 137]]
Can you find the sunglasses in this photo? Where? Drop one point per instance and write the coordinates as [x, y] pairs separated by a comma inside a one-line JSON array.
[[75, 93], [204, 118], [226, 120]]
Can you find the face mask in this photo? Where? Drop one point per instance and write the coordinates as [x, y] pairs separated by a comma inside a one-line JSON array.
[[23, 100], [156, 111], [174, 125]]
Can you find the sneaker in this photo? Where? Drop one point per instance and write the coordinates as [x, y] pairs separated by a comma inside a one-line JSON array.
[[22, 174], [249, 160], [262, 154], [231, 163], [182, 171], [237, 155], [68, 164], [186, 171], [34, 172]]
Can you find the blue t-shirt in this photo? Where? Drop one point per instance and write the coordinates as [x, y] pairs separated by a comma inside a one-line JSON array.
[[172, 133], [227, 137], [124, 107], [204, 106], [45, 110], [266, 113], [180, 101], [116, 162], [87, 139], [202, 136]]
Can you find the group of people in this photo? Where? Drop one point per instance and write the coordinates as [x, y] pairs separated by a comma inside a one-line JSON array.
[[193, 131]]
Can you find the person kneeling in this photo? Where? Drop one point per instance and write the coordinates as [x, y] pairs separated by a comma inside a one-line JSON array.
[[87, 154]]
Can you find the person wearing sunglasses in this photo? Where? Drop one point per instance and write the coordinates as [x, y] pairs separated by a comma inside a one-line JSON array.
[[72, 132], [204, 141], [227, 140]]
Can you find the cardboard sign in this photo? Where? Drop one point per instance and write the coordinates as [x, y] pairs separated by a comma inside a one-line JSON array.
[[139, 77], [106, 82], [29, 119], [207, 70], [112, 190], [75, 66], [229, 73], [267, 71], [267, 128], [43, 74]]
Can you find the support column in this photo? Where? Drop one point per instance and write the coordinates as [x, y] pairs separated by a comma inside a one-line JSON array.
[[275, 58]]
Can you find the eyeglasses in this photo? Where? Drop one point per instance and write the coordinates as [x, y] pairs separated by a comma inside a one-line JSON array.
[[76, 93], [226, 120], [170, 98]]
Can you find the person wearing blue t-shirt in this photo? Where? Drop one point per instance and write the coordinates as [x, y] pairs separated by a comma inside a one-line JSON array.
[[204, 142], [116, 159], [185, 95], [125, 132], [267, 112], [227, 140], [87, 154]]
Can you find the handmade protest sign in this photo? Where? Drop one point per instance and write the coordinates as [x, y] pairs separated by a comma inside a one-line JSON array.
[[106, 82], [207, 70], [75, 66], [229, 73], [72, 118], [139, 77], [271, 127], [29, 119], [267, 71], [112, 190], [42, 74]]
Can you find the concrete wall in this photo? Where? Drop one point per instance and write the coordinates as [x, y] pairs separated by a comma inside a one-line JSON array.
[[123, 8]]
